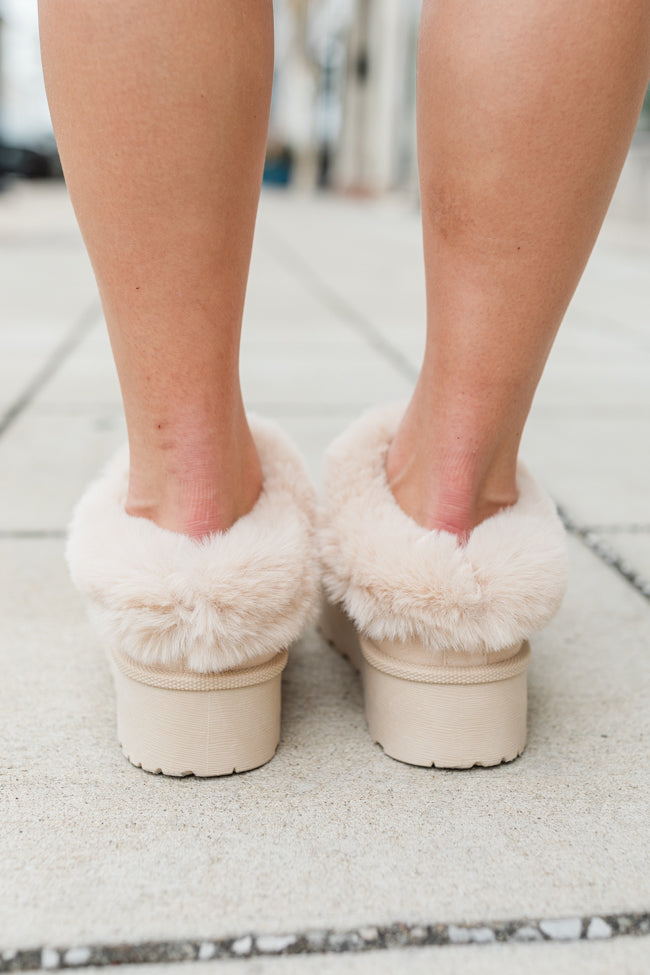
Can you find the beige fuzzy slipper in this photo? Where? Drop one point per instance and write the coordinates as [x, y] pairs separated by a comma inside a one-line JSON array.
[[439, 630], [197, 631]]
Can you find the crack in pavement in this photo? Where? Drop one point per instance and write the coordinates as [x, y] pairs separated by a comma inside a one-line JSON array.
[[594, 927], [341, 307], [606, 553], [52, 364]]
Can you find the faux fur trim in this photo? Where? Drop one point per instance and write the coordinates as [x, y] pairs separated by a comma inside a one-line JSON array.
[[399, 581], [205, 605]]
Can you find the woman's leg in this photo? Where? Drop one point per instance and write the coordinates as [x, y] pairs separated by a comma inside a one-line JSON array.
[[161, 114], [525, 114]]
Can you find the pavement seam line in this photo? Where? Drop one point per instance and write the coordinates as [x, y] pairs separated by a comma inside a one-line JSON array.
[[23, 534], [618, 528], [604, 551], [329, 941], [342, 308], [52, 364], [15, 240]]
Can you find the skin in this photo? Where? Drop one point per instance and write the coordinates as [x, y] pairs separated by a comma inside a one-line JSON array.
[[161, 113], [522, 134]]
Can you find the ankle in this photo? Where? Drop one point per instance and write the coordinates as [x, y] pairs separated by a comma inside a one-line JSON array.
[[192, 490], [449, 489], [193, 508]]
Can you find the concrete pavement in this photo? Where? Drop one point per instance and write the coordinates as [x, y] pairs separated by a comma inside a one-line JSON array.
[[332, 851]]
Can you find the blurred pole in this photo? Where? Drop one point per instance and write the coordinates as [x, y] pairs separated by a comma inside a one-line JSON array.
[[4, 161], [2, 76], [350, 164], [291, 132], [305, 158], [377, 146], [360, 78], [324, 110]]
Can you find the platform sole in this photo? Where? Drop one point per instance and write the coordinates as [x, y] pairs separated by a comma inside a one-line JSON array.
[[442, 716], [198, 724]]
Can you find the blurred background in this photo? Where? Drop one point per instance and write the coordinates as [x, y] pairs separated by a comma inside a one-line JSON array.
[[343, 112], [343, 104]]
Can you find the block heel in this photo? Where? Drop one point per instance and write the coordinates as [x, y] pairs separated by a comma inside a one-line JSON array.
[[341, 634], [198, 724], [444, 716], [450, 717]]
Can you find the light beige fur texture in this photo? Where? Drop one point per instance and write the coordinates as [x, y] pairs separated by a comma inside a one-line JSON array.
[[210, 605], [399, 581]]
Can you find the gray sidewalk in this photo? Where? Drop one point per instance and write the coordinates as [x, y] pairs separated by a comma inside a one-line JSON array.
[[327, 850]]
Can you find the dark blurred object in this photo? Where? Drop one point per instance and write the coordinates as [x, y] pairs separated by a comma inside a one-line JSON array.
[[39, 160], [277, 166], [644, 118]]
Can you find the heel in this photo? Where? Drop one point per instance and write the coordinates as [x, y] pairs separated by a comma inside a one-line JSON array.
[[340, 632], [448, 717], [198, 724]]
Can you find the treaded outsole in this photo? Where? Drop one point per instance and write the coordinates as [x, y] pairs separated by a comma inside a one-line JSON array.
[[189, 773]]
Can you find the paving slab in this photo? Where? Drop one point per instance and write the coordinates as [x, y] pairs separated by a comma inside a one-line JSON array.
[[369, 270], [353, 375], [615, 285], [592, 464], [48, 457], [632, 546], [45, 281], [596, 366], [87, 378], [331, 832]]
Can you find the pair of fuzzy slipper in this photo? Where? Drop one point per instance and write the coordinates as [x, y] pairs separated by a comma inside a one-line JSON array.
[[197, 632]]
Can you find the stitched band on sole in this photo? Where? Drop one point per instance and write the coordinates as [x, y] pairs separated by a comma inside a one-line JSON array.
[[175, 680], [481, 674]]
